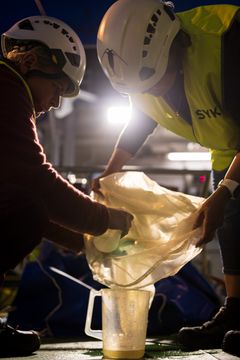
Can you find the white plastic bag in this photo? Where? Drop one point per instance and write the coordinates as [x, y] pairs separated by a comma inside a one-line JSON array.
[[160, 241]]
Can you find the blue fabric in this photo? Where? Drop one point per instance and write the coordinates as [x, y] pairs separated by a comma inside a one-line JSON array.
[[38, 303], [183, 299], [190, 300]]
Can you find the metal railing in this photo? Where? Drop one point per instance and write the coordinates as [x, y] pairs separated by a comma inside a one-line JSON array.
[[88, 172]]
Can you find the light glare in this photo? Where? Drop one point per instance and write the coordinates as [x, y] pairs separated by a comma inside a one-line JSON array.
[[119, 114], [72, 178]]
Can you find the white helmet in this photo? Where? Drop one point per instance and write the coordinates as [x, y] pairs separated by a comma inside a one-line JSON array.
[[133, 43], [63, 42]]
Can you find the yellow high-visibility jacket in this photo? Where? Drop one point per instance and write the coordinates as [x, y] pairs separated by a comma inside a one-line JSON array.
[[202, 68]]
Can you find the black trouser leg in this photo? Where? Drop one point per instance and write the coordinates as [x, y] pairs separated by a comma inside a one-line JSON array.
[[22, 222]]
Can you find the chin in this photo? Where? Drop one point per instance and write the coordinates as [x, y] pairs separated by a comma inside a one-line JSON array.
[[39, 113]]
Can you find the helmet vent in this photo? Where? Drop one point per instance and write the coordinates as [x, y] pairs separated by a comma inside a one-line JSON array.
[[147, 40], [70, 38], [151, 28], [146, 72], [47, 22], [56, 26], [169, 12], [25, 25], [73, 58], [59, 56]]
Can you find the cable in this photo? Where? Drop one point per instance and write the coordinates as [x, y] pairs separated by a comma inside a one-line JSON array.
[[40, 7], [60, 303]]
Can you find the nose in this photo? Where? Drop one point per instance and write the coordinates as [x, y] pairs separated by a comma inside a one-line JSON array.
[[55, 102]]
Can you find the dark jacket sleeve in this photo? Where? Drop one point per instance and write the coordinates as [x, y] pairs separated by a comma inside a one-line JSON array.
[[24, 163], [70, 240], [136, 132]]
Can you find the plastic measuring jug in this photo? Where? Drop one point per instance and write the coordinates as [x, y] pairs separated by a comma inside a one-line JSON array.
[[124, 322]]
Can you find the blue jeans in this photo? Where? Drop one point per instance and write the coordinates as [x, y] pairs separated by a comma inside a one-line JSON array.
[[229, 233]]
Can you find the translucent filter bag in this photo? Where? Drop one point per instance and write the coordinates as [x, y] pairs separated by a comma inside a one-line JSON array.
[[161, 239]]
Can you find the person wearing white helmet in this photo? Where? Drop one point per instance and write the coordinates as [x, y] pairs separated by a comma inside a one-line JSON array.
[[61, 44], [181, 70], [42, 60]]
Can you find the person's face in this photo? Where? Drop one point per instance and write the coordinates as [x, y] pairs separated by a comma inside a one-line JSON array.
[[173, 67], [46, 92]]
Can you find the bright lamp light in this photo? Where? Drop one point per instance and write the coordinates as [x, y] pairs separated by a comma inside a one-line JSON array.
[[119, 114], [188, 156]]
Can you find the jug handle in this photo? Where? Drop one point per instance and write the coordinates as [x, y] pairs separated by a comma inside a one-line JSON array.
[[88, 330]]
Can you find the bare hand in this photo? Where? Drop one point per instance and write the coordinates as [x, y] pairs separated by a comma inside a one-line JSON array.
[[210, 215], [120, 220]]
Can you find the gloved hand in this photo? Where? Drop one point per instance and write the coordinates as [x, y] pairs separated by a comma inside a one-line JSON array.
[[120, 220]]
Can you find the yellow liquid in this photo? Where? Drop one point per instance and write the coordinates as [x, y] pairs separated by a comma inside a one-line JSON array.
[[118, 354]]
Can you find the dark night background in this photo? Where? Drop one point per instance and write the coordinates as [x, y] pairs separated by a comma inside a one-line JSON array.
[[84, 16]]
